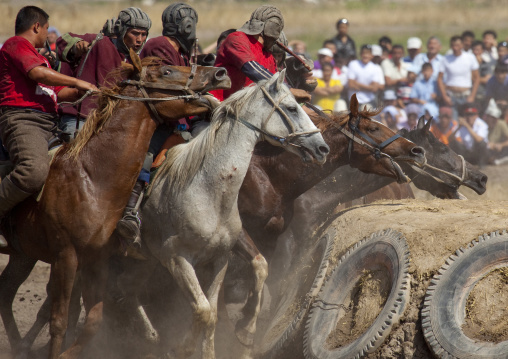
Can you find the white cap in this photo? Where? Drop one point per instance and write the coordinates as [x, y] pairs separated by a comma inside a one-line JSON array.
[[325, 52], [492, 109], [377, 50], [390, 95], [414, 43]]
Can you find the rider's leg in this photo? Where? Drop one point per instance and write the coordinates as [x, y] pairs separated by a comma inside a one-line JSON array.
[[25, 134]]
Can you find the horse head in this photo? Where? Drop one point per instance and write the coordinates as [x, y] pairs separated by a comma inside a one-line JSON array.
[[374, 148], [178, 90], [284, 123], [445, 170]]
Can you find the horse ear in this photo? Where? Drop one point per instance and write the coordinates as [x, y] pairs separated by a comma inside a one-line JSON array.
[[421, 123], [353, 106], [272, 83], [136, 61], [427, 125], [281, 79]]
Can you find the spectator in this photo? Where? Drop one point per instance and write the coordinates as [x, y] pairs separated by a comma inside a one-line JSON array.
[[490, 43], [327, 93], [424, 91], [502, 49], [432, 55], [53, 34], [299, 47], [497, 86], [393, 116], [386, 43], [446, 126], [329, 44], [346, 48], [414, 47], [468, 38], [458, 77], [377, 54], [365, 78], [485, 71], [394, 69], [471, 137], [325, 56], [498, 132], [412, 112]]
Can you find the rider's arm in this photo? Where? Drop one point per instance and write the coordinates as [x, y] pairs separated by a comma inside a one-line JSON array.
[[255, 71], [50, 77]]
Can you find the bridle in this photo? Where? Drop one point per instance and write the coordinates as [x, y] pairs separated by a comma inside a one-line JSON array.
[[453, 175], [284, 141], [142, 85]]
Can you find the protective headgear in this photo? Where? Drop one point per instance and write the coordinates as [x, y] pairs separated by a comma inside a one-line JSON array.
[[109, 27], [131, 17], [266, 20], [179, 21], [277, 50]]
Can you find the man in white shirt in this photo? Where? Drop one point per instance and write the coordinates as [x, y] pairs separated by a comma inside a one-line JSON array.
[[394, 69], [458, 78], [365, 78]]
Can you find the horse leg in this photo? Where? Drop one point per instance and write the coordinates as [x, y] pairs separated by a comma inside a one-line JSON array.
[[246, 327], [94, 279], [63, 273], [15, 273], [129, 282], [74, 312], [219, 271], [185, 276]]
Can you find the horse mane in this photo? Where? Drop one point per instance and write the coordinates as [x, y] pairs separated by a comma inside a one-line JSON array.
[[106, 104], [339, 118], [183, 161]]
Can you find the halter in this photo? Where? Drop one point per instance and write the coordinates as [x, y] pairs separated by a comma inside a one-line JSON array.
[[425, 173], [142, 85], [369, 143], [284, 141]]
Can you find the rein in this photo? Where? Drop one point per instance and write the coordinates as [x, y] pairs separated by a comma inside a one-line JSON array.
[[425, 173], [284, 141], [142, 85]]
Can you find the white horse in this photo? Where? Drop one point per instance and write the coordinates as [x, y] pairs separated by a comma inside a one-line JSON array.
[[191, 219]]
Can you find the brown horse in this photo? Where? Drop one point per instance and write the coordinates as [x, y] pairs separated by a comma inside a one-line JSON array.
[[87, 189]]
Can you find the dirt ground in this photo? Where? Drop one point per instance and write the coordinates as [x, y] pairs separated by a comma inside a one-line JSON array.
[[434, 229]]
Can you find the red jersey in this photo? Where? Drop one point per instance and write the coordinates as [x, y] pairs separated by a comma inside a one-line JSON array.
[[160, 47], [235, 51], [17, 58]]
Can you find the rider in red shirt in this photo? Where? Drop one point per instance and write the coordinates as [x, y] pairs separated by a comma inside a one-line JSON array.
[[29, 89], [245, 53]]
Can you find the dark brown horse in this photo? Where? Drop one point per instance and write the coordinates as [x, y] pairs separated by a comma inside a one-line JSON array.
[[87, 189]]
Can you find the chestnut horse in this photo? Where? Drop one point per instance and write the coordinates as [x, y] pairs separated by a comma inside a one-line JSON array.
[[87, 189]]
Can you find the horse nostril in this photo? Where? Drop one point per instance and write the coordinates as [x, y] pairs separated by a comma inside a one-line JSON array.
[[418, 151], [483, 181], [220, 74], [324, 149]]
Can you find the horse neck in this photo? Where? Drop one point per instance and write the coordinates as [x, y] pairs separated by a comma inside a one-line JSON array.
[[121, 146], [296, 177]]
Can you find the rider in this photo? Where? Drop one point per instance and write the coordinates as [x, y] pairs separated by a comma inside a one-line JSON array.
[[93, 56], [29, 90], [179, 22]]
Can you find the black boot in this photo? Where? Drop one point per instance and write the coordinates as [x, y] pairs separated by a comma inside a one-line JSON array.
[[128, 227]]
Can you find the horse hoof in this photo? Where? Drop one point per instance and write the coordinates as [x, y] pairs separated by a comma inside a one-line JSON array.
[[244, 336]]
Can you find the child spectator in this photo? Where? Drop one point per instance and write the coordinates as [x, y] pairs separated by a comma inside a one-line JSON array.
[[327, 93], [424, 91], [502, 49], [394, 117], [498, 132], [325, 56], [485, 71], [489, 39], [445, 127], [412, 112], [497, 86]]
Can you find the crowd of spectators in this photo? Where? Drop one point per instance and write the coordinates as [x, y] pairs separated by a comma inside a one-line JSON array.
[[464, 88]]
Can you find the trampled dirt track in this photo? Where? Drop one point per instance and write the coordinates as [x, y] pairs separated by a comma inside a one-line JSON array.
[[434, 229]]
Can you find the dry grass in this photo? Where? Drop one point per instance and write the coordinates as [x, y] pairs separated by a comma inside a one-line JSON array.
[[310, 22]]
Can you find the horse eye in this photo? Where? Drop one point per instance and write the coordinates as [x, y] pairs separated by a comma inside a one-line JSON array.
[[373, 129], [292, 109]]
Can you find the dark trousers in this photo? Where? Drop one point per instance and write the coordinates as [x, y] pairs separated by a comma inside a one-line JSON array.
[[25, 134]]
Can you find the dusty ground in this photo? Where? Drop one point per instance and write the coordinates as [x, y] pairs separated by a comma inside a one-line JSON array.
[[433, 228]]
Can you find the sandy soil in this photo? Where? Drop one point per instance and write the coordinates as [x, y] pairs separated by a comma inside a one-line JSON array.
[[433, 228]]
